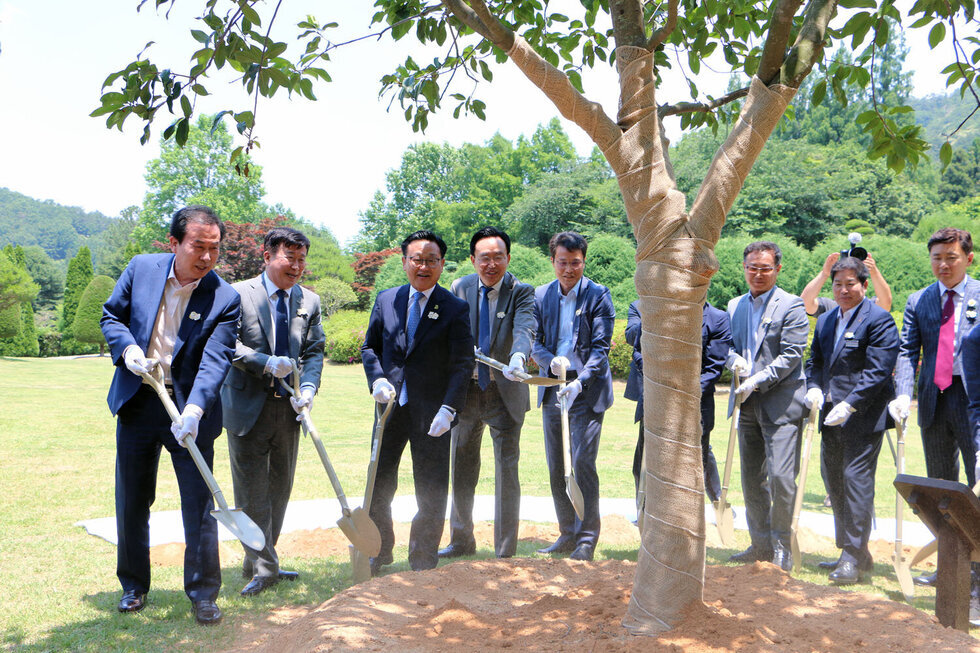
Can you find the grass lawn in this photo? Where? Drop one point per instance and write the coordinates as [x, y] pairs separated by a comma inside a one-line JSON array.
[[57, 451]]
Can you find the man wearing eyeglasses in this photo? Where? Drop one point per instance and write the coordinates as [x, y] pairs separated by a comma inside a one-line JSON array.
[[280, 323], [501, 311], [417, 352], [574, 317], [769, 330]]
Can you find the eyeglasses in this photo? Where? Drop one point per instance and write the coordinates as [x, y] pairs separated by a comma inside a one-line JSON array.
[[757, 269], [293, 260], [486, 259], [573, 264], [418, 261]]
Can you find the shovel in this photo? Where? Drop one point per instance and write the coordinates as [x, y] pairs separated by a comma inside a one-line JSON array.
[[724, 515], [355, 524], [641, 491], [236, 521], [571, 486], [794, 542], [523, 376], [901, 569], [359, 561]]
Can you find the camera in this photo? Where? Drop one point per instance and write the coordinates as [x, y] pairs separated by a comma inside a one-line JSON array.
[[857, 252]]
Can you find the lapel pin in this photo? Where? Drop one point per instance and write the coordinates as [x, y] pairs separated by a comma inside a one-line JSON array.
[[849, 335], [433, 315], [971, 310], [578, 311], [194, 316], [301, 312], [500, 315]]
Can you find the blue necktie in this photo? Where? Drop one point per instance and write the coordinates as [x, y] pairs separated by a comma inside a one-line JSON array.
[[282, 325], [414, 315], [483, 338]]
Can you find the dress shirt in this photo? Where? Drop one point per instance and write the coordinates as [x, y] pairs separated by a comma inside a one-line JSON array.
[[566, 324], [958, 291], [757, 307], [173, 304], [493, 294], [271, 290], [843, 321]]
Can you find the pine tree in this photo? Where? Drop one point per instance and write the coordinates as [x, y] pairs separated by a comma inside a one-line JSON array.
[[23, 340], [80, 273], [89, 313]]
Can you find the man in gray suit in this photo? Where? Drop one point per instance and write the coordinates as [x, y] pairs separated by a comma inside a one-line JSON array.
[[502, 324], [280, 321], [769, 329], [936, 320]]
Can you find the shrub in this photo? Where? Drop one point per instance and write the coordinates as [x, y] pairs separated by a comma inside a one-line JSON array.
[[611, 260], [89, 313], [620, 351], [529, 265], [344, 334]]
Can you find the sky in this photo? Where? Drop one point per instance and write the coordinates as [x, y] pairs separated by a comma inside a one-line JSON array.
[[324, 160]]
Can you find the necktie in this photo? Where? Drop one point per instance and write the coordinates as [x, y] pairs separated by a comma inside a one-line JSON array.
[[483, 338], [414, 315], [282, 325], [944, 352]]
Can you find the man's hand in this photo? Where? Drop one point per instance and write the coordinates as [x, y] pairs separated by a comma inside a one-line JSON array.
[[559, 363], [832, 258], [739, 366], [514, 367], [898, 407], [190, 421], [137, 362], [305, 400], [279, 366], [749, 385], [814, 397], [839, 414], [570, 392], [441, 422], [382, 391]]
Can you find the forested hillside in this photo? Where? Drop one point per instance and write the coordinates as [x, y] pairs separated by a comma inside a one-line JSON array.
[[59, 230]]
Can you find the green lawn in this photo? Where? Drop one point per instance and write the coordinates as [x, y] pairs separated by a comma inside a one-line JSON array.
[[56, 468]]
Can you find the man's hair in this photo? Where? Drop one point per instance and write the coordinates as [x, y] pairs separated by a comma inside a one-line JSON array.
[[284, 237], [851, 263], [569, 240], [194, 213], [763, 246], [424, 234], [952, 235], [489, 232]]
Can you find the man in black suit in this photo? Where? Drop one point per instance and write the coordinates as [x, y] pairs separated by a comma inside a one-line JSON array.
[[849, 376], [502, 324], [417, 351]]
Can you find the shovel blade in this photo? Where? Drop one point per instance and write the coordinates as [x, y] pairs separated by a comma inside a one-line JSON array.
[[362, 532], [360, 565], [924, 552], [725, 521], [794, 547], [575, 495], [239, 524], [904, 578]]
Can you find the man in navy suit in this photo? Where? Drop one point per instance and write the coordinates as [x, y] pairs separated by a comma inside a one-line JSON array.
[[574, 318], [970, 352], [170, 310], [849, 376], [716, 340], [936, 320], [418, 352]]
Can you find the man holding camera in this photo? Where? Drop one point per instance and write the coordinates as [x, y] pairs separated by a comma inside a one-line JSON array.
[[816, 305]]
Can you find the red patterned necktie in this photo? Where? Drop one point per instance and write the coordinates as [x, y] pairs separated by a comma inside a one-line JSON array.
[[944, 351]]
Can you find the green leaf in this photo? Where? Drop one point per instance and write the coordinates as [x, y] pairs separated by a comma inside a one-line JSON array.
[[945, 154], [183, 127], [819, 92], [936, 35], [485, 71], [185, 106], [201, 37], [250, 14]]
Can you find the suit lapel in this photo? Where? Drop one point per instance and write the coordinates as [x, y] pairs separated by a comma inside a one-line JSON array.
[[763, 327], [472, 296], [970, 293], [580, 302], [157, 287], [295, 321], [432, 307], [198, 308], [400, 307], [503, 306], [260, 300]]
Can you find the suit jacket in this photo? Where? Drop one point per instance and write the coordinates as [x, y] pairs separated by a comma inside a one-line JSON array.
[[436, 365], [244, 391], [591, 333], [920, 332], [858, 368], [779, 342], [205, 338], [970, 354], [511, 331]]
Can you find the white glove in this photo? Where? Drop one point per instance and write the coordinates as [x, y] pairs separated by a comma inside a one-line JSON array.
[[749, 385], [441, 422], [739, 366], [557, 363], [898, 407], [137, 362], [514, 368], [189, 423], [814, 397], [305, 400], [279, 366], [839, 414], [382, 391], [570, 392]]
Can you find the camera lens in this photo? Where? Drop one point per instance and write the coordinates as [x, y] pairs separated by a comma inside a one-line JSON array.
[[859, 253]]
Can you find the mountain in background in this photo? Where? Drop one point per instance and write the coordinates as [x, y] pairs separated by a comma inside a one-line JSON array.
[[59, 230], [940, 114]]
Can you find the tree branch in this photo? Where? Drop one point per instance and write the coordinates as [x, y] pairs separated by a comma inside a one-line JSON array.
[[809, 43], [780, 28], [701, 107], [478, 18], [661, 34]]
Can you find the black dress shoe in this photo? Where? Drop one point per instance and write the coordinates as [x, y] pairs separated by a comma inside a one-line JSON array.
[[752, 554], [132, 601], [564, 544], [288, 575], [782, 557], [207, 613], [376, 564], [583, 552], [457, 550], [259, 584], [925, 580], [846, 574]]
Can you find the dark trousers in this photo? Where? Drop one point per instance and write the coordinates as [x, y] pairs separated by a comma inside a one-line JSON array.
[[143, 428], [950, 436], [848, 461], [770, 459], [263, 462], [430, 468], [585, 427], [485, 407]]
